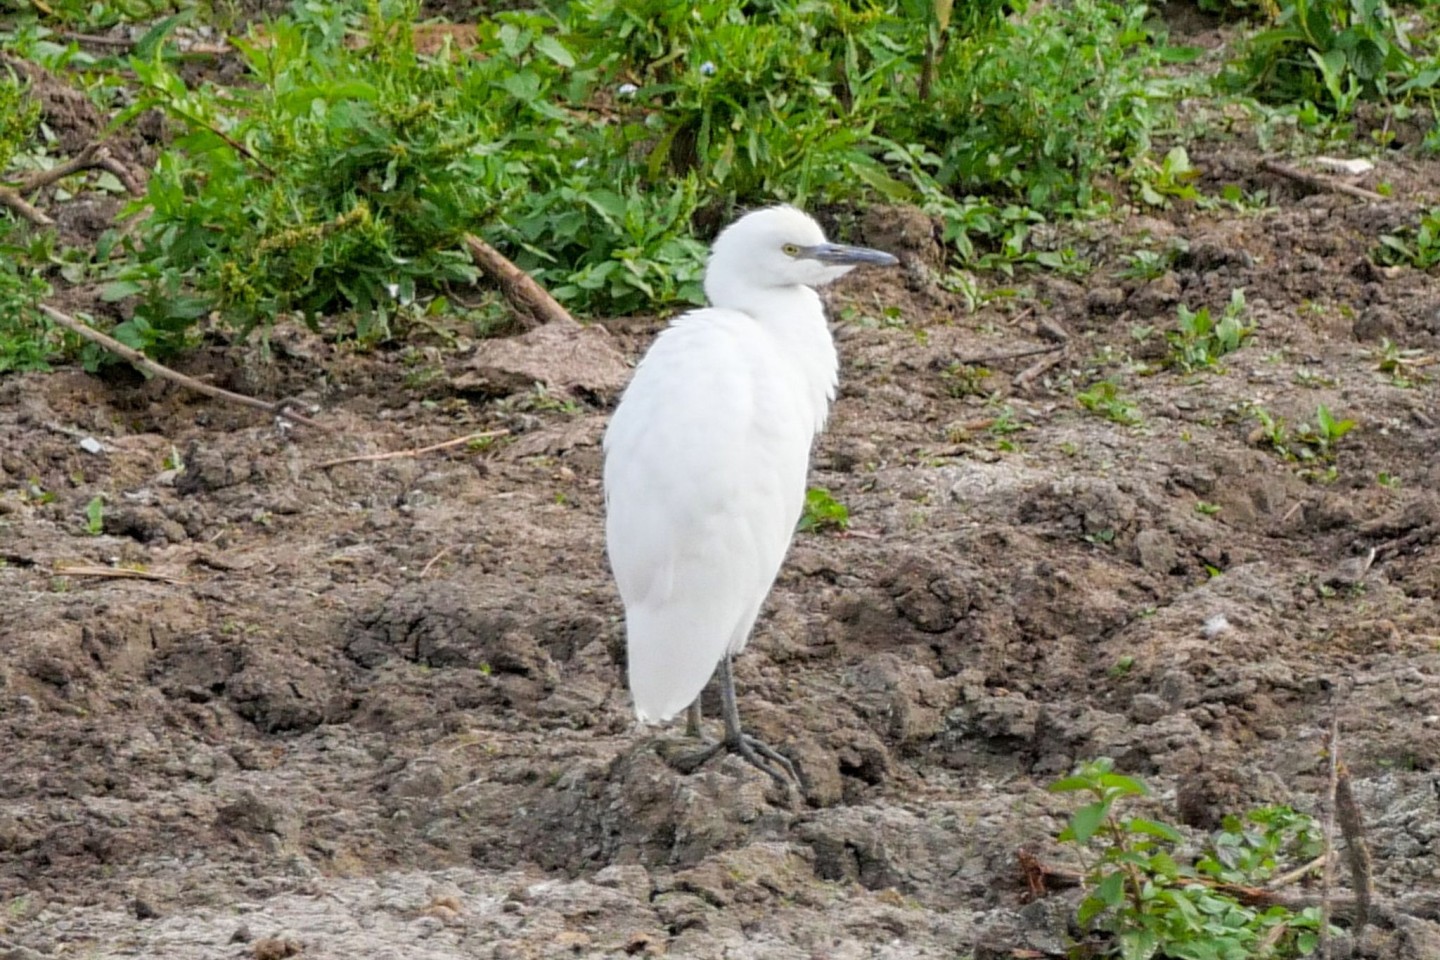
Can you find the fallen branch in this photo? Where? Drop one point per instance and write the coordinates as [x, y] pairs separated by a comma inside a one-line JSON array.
[[1327, 832], [23, 207], [1028, 376], [84, 160], [280, 408], [1017, 355], [96, 40], [528, 298], [1321, 183], [113, 573], [1357, 851], [433, 560], [1042, 877], [93, 156], [415, 452], [1285, 879]]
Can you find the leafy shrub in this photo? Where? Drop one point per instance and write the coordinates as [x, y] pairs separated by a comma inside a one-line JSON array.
[[1153, 905], [596, 147], [1328, 52]]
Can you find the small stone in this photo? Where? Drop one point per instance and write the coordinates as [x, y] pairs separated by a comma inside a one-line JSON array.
[[242, 934], [275, 948], [573, 940], [1147, 708], [1155, 551]]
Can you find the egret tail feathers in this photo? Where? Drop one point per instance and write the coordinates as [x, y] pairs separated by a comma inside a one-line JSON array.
[[672, 655]]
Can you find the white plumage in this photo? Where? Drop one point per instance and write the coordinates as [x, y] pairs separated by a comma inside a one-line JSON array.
[[707, 454]]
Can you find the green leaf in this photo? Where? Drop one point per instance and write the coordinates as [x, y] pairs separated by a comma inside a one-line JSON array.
[[95, 516], [1087, 820], [147, 45], [1138, 945], [1111, 890], [1071, 784], [1124, 784], [120, 289], [1155, 829], [551, 47], [1368, 59]]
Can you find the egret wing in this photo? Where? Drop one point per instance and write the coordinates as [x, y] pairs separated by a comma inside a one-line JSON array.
[[704, 479]]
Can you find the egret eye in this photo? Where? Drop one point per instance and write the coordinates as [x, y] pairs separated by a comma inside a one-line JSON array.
[[790, 250]]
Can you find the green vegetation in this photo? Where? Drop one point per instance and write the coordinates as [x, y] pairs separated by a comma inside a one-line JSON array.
[[1104, 399], [337, 180], [1145, 902], [1331, 53], [599, 143], [1199, 341], [1418, 246], [95, 516], [823, 512], [1403, 366], [1305, 443]]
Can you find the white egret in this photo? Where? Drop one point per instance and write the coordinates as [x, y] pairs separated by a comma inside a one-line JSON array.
[[706, 459]]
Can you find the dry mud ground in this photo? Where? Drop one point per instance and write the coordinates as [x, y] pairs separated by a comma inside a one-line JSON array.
[[378, 708]]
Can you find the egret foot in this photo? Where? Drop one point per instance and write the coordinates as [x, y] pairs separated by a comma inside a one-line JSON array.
[[757, 753]]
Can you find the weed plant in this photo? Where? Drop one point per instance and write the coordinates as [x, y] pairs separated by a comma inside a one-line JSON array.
[[599, 147], [1144, 900]]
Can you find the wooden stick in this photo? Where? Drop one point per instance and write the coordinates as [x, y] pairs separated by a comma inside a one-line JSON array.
[[1357, 851], [1285, 879], [88, 157], [415, 452], [1327, 831], [125, 177], [24, 208], [98, 41], [1321, 183], [526, 296], [998, 357], [434, 560], [113, 573], [1027, 376], [137, 359], [93, 156], [1042, 877]]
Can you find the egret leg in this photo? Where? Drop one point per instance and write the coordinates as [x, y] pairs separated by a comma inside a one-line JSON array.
[[692, 721], [757, 753]]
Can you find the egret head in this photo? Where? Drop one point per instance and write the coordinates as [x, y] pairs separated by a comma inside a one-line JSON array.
[[778, 247]]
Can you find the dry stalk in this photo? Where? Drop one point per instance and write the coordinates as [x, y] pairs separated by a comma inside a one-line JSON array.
[[113, 573], [280, 408], [1321, 183], [1357, 850], [414, 451], [1327, 832]]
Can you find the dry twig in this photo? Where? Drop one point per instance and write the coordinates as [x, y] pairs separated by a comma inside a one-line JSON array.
[[432, 561], [1017, 355], [280, 408], [95, 155], [414, 452], [10, 197], [1321, 183], [529, 299], [1285, 879], [1032, 372], [1327, 832], [113, 573], [1357, 851]]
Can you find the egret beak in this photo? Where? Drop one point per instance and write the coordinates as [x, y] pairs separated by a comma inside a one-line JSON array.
[[840, 255]]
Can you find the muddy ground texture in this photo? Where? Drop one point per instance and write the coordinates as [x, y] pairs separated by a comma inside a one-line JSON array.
[[377, 708]]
